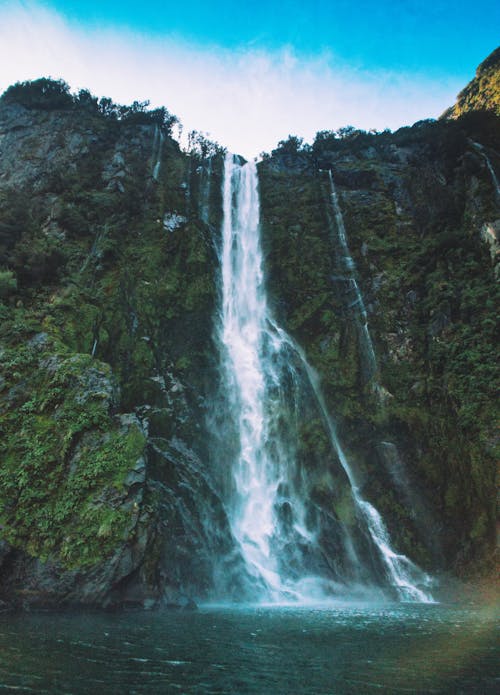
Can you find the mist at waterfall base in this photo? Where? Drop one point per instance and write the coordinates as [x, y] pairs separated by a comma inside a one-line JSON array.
[[386, 648], [292, 548]]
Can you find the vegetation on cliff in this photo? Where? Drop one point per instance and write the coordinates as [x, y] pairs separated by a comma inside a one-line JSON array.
[[108, 282], [105, 268], [483, 92], [415, 205]]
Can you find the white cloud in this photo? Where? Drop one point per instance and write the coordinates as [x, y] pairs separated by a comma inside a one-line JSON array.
[[247, 100]]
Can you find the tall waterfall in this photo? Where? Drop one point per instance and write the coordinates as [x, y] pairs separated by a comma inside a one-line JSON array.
[[253, 365], [264, 371], [401, 572]]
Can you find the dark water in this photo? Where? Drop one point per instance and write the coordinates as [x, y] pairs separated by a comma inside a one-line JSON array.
[[355, 650]]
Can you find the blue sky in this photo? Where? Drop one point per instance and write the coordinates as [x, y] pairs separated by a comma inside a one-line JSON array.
[[252, 72], [435, 36]]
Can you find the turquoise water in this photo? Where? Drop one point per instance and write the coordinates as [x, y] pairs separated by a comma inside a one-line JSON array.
[[336, 649]]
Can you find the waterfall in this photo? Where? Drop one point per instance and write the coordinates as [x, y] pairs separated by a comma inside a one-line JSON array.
[[205, 187], [254, 367], [264, 372], [348, 269], [479, 148], [158, 141], [401, 573]]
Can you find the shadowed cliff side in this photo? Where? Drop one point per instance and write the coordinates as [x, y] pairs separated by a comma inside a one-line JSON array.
[[421, 214], [106, 298]]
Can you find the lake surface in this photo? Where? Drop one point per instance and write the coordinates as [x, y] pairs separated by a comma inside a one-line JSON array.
[[355, 649]]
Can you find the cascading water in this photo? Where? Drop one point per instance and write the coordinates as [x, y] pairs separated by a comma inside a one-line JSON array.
[[267, 508], [402, 573], [158, 141], [348, 268], [479, 148], [205, 186], [252, 362]]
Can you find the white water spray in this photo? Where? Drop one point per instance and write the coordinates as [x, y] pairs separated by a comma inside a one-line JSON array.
[[252, 363], [256, 367], [401, 572]]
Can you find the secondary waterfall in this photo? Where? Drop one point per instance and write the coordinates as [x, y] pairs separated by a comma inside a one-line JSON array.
[[479, 148], [402, 573], [205, 188], [264, 371], [348, 269], [158, 141]]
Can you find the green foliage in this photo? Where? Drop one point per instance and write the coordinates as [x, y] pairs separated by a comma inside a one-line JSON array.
[[43, 93], [483, 92], [343, 138], [64, 460], [48, 94], [201, 147], [8, 283], [114, 291], [412, 217], [292, 145]]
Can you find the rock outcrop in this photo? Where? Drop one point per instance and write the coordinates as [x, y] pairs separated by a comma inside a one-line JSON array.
[[483, 92]]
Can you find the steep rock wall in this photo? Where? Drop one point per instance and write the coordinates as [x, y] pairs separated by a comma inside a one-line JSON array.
[[110, 490], [422, 429], [107, 292]]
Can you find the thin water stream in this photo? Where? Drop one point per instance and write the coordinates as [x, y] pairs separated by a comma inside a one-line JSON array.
[[348, 267], [479, 148], [158, 141]]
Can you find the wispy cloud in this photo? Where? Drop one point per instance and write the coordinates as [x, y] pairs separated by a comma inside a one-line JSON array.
[[246, 99]]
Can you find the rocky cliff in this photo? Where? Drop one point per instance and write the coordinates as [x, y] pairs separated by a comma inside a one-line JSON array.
[[421, 213], [110, 492], [107, 287], [483, 92]]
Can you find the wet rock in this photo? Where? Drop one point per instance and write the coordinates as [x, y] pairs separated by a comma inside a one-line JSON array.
[[438, 324], [172, 221], [490, 235]]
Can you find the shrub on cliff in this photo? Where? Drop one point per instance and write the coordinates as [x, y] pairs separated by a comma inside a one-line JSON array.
[[48, 94], [43, 93], [8, 283]]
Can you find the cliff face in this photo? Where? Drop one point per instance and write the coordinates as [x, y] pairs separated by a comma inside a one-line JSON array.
[[109, 489], [483, 92], [418, 415], [108, 285]]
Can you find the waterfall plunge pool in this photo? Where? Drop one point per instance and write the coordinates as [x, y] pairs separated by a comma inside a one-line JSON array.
[[333, 649]]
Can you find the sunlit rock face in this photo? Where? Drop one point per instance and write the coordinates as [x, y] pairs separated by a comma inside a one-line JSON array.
[[119, 483], [483, 92]]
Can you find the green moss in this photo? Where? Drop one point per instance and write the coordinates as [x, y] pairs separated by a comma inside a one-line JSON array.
[[64, 460], [413, 204], [345, 509]]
